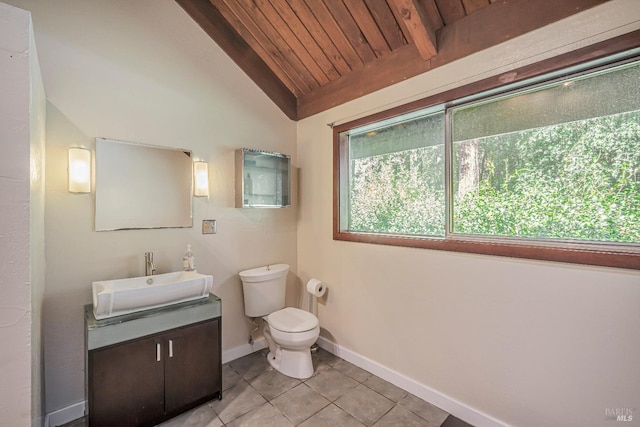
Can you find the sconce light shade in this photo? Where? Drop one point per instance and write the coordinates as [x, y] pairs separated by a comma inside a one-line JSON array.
[[200, 179], [79, 170]]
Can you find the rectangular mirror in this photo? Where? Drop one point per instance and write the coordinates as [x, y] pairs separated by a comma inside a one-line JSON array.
[[142, 186]]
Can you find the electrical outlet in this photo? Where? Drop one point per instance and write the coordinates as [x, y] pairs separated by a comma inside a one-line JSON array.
[[209, 226]]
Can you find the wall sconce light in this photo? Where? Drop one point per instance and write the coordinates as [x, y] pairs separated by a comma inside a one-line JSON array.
[[79, 170], [200, 179]]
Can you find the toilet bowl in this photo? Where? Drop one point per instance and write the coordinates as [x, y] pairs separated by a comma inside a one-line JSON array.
[[289, 331]]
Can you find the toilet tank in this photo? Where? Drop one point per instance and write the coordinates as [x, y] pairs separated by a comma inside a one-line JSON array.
[[264, 289]]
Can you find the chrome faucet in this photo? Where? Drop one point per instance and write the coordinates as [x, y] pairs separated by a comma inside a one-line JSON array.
[[149, 266]]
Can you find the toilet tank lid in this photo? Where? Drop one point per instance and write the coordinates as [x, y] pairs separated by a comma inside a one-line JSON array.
[[292, 319], [261, 274]]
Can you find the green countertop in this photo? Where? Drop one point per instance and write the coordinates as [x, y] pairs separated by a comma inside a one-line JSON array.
[[114, 330]]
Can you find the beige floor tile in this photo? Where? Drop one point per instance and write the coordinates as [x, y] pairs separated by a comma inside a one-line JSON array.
[[364, 404], [237, 401], [272, 383], [323, 356], [331, 384], [229, 377], [385, 388], [322, 361], [399, 416], [250, 366], [332, 416], [263, 416], [352, 370], [300, 403], [424, 409], [202, 416]]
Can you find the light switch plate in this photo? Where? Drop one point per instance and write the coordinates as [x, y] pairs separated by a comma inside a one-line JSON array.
[[209, 226]]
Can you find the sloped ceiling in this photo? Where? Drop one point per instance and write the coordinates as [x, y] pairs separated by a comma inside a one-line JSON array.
[[311, 55]]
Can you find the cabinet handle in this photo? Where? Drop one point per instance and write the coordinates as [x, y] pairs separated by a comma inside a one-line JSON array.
[[158, 352], [170, 348]]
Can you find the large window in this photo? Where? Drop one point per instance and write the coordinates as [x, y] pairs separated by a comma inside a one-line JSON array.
[[547, 168], [396, 176], [561, 161]]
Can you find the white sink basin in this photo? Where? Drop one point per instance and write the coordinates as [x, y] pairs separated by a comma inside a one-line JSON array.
[[116, 297]]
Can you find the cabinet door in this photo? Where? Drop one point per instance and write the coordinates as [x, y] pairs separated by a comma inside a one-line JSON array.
[[192, 365], [263, 179], [126, 384]]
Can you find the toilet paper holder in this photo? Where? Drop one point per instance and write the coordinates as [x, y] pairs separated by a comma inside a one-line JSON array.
[[316, 289]]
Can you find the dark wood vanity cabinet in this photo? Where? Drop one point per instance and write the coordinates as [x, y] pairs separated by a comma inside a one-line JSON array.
[[153, 378], [193, 369]]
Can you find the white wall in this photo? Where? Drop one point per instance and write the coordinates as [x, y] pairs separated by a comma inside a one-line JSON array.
[[525, 342], [21, 219], [143, 71], [37, 123]]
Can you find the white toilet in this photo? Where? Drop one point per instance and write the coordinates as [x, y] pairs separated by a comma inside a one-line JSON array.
[[289, 331]]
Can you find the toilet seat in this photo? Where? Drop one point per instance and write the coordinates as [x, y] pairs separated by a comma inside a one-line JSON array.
[[292, 320]]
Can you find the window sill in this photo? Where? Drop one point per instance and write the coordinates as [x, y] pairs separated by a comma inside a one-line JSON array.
[[605, 257]]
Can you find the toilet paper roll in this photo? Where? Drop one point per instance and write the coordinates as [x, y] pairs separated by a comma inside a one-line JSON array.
[[316, 288]]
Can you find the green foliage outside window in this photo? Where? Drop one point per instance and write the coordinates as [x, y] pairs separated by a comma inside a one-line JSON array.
[[397, 178], [578, 180], [398, 193], [559, 161]]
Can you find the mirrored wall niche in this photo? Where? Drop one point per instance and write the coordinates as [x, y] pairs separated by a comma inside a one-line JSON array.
[[142, 186], [263, 179]]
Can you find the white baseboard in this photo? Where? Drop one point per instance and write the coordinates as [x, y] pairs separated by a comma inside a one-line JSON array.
[[457, 409], [243, 350], [464, 412], [65, 415]]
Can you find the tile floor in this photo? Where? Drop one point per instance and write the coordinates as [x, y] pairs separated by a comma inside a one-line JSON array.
[[338, 394]]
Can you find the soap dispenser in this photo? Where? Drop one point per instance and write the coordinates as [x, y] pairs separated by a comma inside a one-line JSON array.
[[188, 260]]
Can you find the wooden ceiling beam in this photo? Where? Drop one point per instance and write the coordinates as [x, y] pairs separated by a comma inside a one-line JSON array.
[[319, 34], [322, 14], [310, 43], [281, 28], [450, 10], [414, 22], [267, 51], [399, 65], [349, 27], [464, 37], [433, 14], [387, 23], [479, 31], [263, 30], [471, 6], [368, 26], [216, 27]]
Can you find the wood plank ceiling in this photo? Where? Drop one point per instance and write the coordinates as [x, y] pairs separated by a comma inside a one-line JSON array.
[[311, 55]]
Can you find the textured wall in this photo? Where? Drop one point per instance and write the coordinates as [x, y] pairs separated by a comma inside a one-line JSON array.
[[15, 293], [37, 123]]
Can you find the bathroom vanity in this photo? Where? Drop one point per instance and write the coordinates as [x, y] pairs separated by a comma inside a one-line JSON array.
[[146, 367]]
